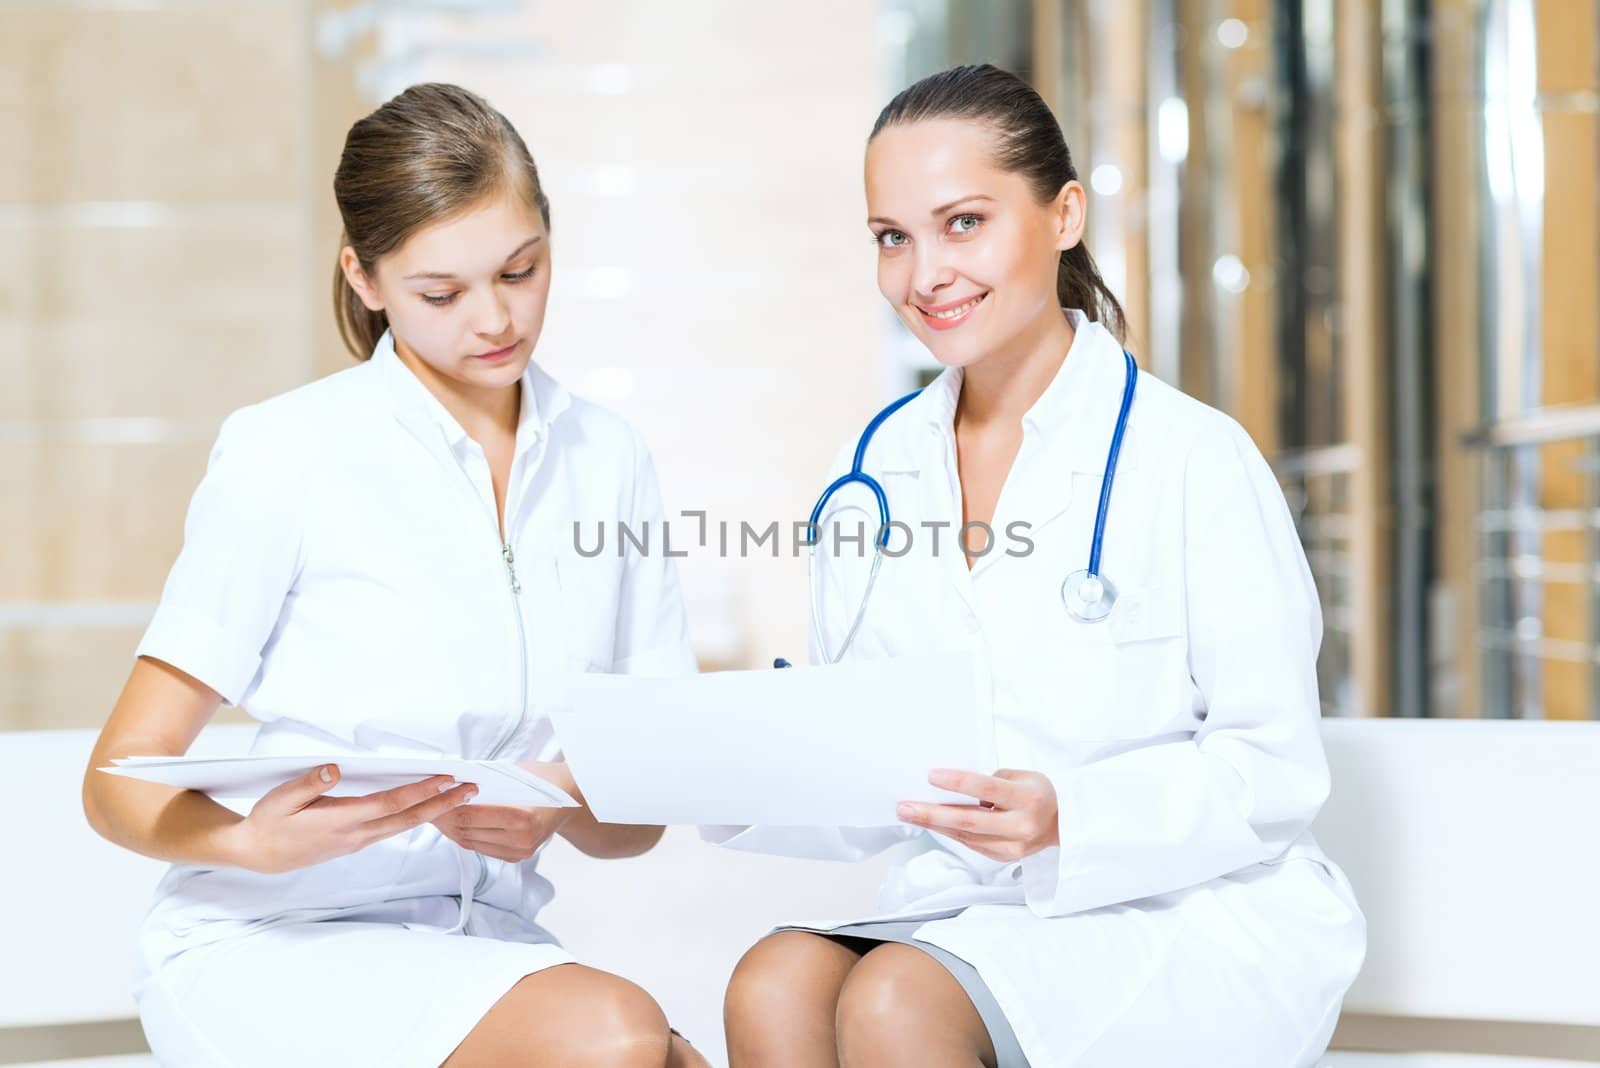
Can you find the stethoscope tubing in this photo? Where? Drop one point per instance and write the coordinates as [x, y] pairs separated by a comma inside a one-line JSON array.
[[857, 475]]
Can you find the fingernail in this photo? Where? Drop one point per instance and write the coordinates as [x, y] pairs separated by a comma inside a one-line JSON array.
[[326, 773], [905, 812], [471, 793], [446, 785]]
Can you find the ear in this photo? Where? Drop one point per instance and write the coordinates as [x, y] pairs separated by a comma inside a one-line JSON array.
[[350, 264], [1071, 210]]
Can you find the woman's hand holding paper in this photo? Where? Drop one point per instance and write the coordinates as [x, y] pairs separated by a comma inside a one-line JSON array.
[[1015, 816], [512, 833]]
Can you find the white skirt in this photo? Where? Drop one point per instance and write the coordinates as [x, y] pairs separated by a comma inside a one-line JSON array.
[[349, 992]]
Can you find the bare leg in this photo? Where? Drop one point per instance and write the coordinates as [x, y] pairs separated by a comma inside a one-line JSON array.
[[574, 1016], [899, 1006], [782, 999]]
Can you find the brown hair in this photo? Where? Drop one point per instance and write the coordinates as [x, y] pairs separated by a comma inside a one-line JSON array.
[[1029, 143], [431, 153]]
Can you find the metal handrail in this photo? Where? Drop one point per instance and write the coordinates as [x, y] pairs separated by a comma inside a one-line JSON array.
[[1502, 520], [1540, 427], [1323, 460], [1324, 536], [1505, 571]]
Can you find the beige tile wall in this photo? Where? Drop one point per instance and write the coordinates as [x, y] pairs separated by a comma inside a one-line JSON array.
[[169, 215], [153, 209], [197, 314], [180, 103]]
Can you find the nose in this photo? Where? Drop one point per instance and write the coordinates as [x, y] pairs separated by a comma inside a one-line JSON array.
[[930, 273], [491, 316]]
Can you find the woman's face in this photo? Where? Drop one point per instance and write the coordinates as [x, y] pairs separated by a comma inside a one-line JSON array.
[[967, 255], [466, 296]]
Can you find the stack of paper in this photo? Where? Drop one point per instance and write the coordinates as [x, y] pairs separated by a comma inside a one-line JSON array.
[[499, 782], [836, 745]]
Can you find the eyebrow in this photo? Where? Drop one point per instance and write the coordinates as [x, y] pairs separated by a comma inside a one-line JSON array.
[[446, 276], [940, 210]]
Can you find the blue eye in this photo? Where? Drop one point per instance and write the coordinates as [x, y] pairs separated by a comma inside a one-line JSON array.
[[891, 239], [971, 223]]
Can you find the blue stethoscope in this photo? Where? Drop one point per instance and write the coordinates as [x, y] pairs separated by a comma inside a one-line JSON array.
[[1087, 594]]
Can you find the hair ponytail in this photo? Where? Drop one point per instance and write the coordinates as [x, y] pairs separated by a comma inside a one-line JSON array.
[[1079, 285], [359, 326], [1029, 143]]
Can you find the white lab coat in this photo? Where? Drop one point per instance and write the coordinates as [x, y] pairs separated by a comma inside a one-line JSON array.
[[343, 578], [1187, 917]]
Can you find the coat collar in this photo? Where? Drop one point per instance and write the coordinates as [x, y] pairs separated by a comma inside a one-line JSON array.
[[1067, 431], [1077, 412], [543, 400]]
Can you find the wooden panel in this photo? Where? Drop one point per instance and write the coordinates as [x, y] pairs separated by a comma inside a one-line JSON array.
[[1458, 223], [1569, 317], [1254, 371], [1363, 291], [1122, 76]]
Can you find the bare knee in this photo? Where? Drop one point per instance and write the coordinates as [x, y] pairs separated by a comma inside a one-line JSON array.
[[570, 1015], [758, 985], [627, 1029], [877, 1007], [899, 1005], [780, 1000]]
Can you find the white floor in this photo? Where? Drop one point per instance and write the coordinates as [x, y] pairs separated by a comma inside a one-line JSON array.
[[1333, 1060], [1435, 1060]]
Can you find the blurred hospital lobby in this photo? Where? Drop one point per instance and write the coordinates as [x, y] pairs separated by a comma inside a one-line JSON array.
[[1369, 230], [1366, 230]]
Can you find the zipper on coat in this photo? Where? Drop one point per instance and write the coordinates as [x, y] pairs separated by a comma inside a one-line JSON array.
[[509, 559], [522, 649], [522, 706]]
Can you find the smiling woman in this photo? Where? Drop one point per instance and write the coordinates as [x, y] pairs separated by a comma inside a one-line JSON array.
[[1131, 879], [338, 580], [1009, 180]]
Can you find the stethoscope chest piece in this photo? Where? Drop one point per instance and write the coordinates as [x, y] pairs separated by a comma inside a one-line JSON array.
[[1088, 598]]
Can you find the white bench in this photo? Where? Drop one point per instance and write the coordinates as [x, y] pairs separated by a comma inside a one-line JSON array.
[[1471, 846], [1475, 853]]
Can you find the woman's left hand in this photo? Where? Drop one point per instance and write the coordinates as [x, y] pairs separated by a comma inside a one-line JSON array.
[[509, 832], [1015, 816]]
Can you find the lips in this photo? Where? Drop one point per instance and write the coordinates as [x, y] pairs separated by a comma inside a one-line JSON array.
[[952, 314], [496, 355]]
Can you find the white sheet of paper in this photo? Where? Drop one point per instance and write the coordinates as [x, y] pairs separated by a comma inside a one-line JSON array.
[[500, 782], [836, 745]]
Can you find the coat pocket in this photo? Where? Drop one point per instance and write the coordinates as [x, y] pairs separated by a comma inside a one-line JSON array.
[[1125, 678]]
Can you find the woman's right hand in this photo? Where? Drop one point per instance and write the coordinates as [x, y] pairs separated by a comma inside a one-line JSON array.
[[294, 826]]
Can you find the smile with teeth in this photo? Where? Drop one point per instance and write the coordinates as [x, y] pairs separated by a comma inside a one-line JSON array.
[[956, 313], [948, 317]]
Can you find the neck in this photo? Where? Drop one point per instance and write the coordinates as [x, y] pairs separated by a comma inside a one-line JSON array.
[[1001, 387], [483, 412]]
